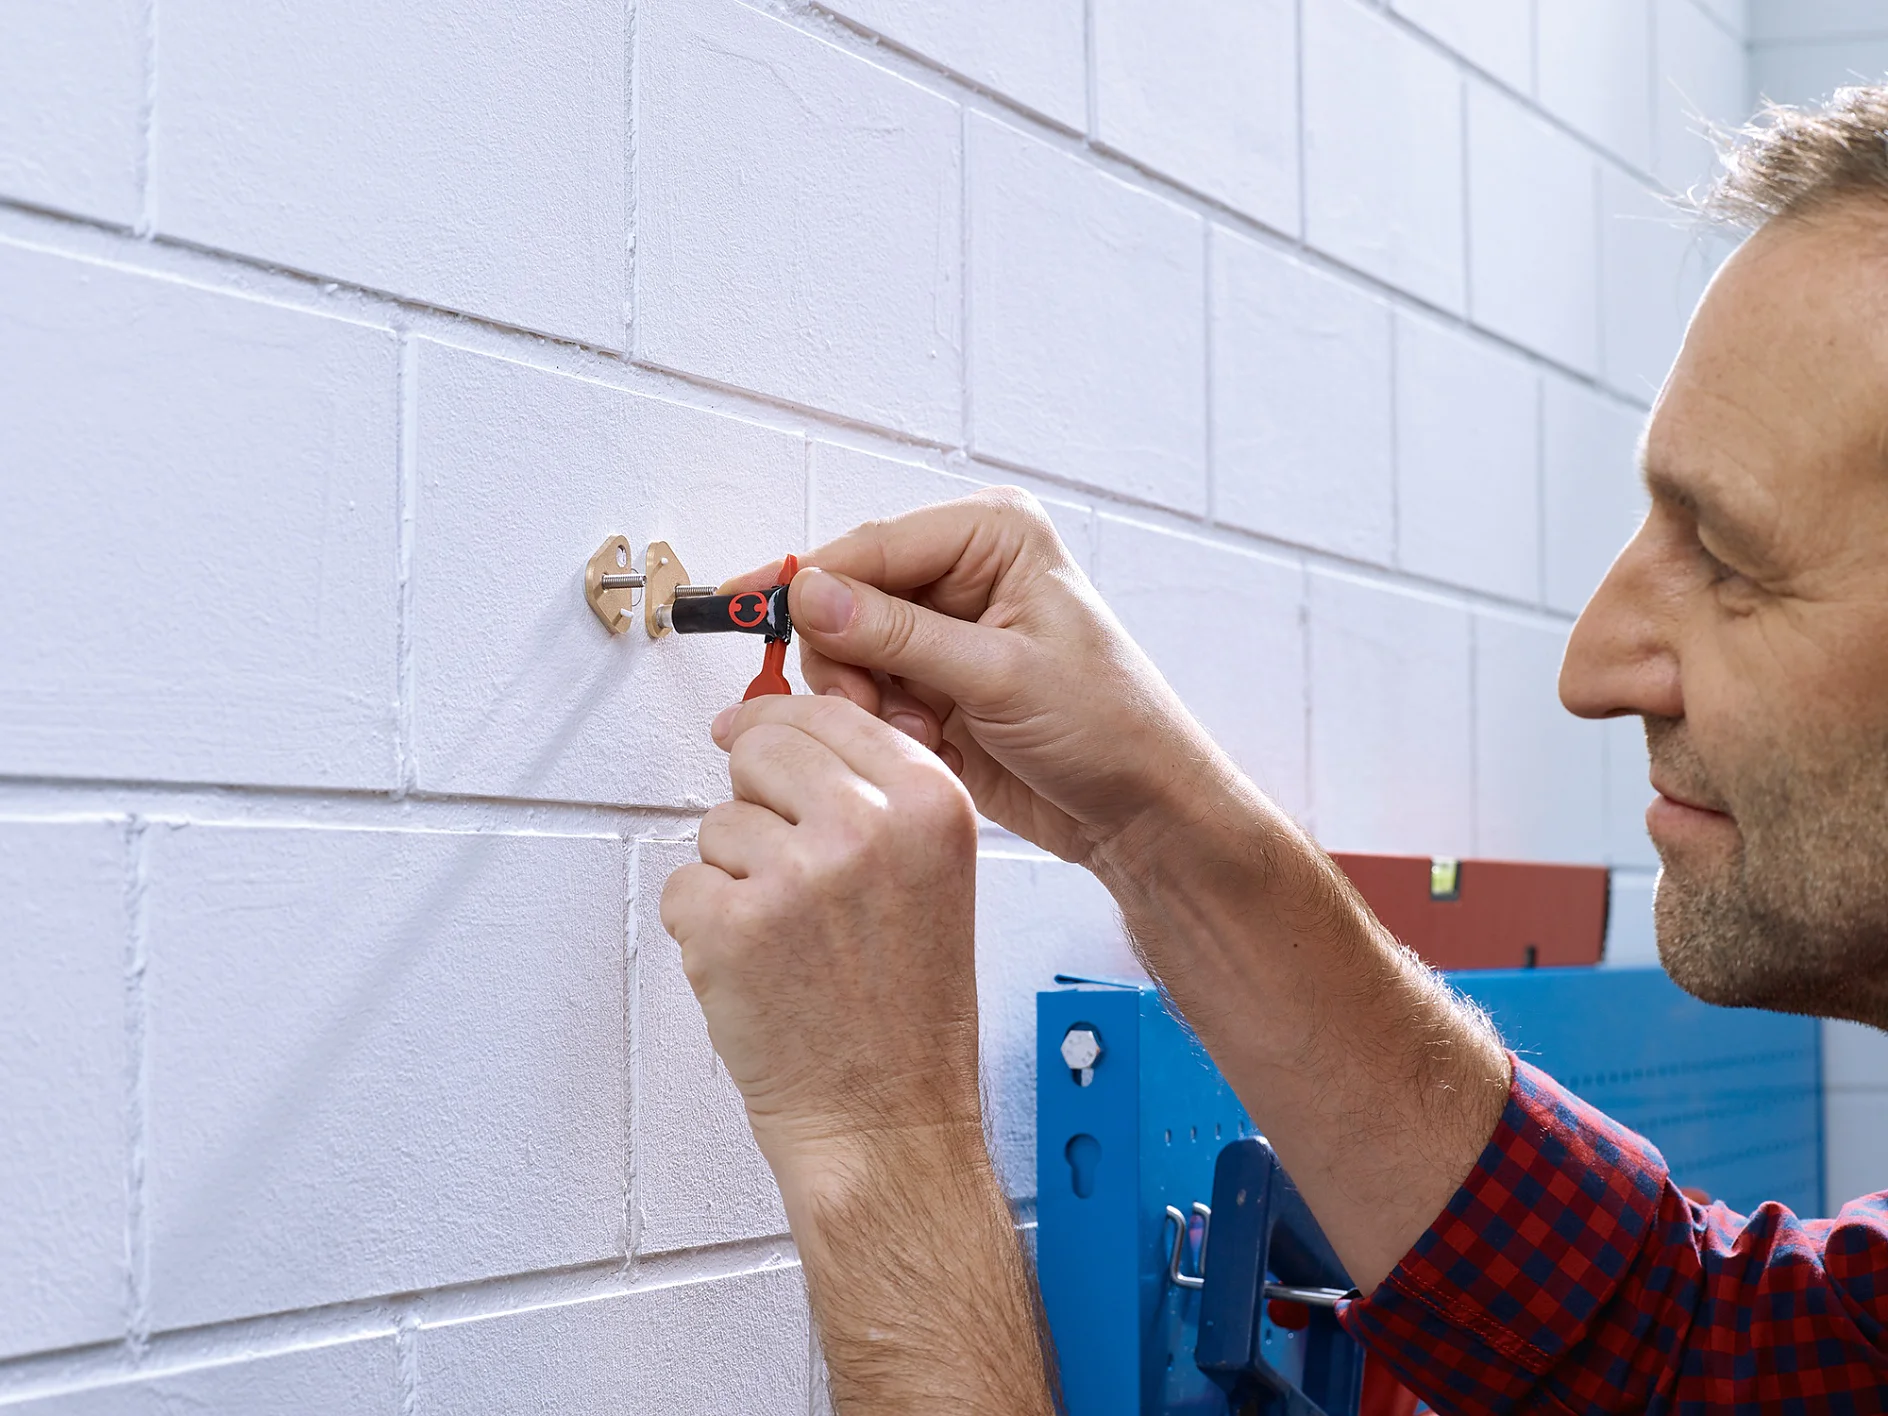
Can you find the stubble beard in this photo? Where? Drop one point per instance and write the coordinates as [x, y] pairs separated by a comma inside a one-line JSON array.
[[1797, 920]]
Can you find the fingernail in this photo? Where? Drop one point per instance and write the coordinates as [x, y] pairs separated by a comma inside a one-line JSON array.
[[724, 720], [910, 724], [822, 603]]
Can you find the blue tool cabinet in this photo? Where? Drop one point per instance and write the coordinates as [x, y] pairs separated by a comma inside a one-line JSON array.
[[1731, 1097]]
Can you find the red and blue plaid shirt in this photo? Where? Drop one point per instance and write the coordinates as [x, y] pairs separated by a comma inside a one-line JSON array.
[[1569, 1274]]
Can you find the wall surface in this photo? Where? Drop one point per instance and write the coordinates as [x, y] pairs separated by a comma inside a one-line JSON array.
[[346, 1066]]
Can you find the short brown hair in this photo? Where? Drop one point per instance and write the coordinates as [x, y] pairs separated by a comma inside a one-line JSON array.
[[1790, 162]]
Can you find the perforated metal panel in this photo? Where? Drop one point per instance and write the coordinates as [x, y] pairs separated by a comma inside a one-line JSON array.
[[1731, 1096]]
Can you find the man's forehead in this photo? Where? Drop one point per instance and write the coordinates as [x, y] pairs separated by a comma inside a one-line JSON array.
[[1782, 387]]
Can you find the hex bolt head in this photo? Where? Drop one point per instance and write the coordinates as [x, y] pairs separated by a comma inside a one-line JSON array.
[[1081, 1050]]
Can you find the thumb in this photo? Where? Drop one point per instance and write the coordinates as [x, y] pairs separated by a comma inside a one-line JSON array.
[[855, 623]]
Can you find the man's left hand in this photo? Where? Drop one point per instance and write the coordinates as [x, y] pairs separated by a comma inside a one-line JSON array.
[[828, 933]]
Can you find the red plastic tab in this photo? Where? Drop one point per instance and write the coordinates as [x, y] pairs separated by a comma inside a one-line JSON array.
[[772, 677]]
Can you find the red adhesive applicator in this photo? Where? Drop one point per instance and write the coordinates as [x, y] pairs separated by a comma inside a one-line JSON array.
[[772, 677]]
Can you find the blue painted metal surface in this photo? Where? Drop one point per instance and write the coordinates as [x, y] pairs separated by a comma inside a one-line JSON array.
[[1110, 1156], [1732, 1097]]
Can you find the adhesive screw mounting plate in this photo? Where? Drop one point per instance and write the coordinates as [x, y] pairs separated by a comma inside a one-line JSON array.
[[615, 604]]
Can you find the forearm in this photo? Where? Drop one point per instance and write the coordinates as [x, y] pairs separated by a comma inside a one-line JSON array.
[[921, 1293], [1377, 1088]]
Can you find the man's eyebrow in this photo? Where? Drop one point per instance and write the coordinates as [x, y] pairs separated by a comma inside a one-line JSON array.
[[1708, 512]]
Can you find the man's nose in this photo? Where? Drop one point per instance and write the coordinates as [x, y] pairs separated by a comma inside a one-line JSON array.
[[1621, 658]]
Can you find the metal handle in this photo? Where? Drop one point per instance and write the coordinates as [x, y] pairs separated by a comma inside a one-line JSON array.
[[1310, 1297], [1174, 1276]]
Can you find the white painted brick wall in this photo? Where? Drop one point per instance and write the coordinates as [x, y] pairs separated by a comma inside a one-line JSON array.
[[201, 579], [1206, 93], [801, 215], [359, 1377], [444, 151], [330, 348], [1087, 322], [1534, 265], [1384, 177], [737, 1344], [396, 1064], [71, 107], [1303, 392], [64, 1082], [1468, 462]]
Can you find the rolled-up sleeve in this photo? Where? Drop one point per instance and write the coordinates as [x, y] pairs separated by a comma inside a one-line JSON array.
[[1569, 1274]]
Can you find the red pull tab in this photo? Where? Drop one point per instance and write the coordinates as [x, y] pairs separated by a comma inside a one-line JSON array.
[[772, 677]]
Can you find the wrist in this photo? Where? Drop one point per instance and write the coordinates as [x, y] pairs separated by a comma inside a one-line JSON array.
[[833, 1173]]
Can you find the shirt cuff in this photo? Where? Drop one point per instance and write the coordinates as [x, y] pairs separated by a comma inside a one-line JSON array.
[[1532, 1246]]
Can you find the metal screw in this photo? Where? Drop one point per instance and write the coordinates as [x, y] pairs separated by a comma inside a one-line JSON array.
[[1081, 1050]]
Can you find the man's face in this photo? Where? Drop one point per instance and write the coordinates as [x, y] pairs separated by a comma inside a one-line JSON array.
[[1747, 623]]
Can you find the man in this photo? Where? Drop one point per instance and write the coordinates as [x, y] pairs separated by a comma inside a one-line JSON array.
[[1518, 1251]]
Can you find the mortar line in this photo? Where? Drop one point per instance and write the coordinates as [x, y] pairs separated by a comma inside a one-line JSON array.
[[632, 326], [406, 764], [406, 1360], [1209, 443], [966, 364], [1304, 152], [1540, 489], [632, 1071], [137, 1093], [146, 221]]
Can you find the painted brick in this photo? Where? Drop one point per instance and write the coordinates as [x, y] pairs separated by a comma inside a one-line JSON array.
[[1468, 454], [1303, 436], [1534, 275], [1540, 772], [1392, 756], [851, 487], [1596, 72], [1226, 629], [71, 105], [1855, 1145], [445, 152], [359, 1378], [1088, 329], [700, 1179], [1810, 73], [379, 1061], [1815, 19], [1655, 263], [1631, 939], [1628, 794], [731, 1344], [1734, 15], [1592, 498], [64, 1083], [1494, 35], [191, 446], [1033, 54], [1036, 917], [1854, 1057], [1701, 78], [799, 218], [1206, 93], [523, 473], [1383, 179]]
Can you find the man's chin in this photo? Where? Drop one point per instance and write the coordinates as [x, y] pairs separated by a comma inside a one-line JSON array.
[[1719, 948]]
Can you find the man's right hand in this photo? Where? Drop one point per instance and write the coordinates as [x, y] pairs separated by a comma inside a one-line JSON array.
[[991, 646]]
